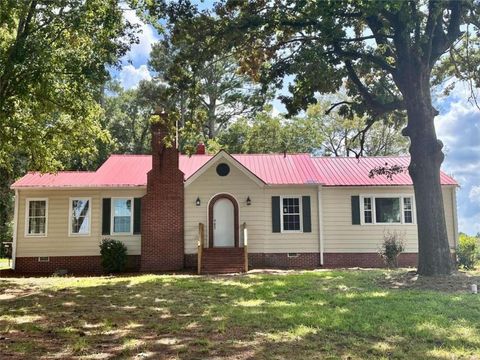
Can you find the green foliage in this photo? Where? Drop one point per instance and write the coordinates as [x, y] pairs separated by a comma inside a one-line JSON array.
[[210, 93], [392, 246], [53, 64], [467, 251], [114, 255], [267, 133], [342, 135]]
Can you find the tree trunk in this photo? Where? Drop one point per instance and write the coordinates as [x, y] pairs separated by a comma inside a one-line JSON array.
[[6, 206], [434, 257]]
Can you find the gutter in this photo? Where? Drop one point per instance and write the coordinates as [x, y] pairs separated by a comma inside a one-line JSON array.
[[15, 229]]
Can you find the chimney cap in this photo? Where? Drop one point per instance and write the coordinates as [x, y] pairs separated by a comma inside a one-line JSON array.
[[159, 110], [200, 149]]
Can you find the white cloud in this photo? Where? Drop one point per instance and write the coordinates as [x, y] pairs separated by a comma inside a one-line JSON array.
[[147, 35], [130, 76], [474, 194], [459, 129]]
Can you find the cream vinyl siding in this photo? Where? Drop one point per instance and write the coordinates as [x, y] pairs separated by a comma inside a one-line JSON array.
[[258, 215], [341, 236], [291, 241], [237, 184], [58, 242]]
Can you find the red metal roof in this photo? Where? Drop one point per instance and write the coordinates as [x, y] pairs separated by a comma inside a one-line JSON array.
[[342, 171], [273, 169]]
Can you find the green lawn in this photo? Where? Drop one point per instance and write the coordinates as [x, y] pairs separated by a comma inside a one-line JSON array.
[[296, 315], [4, 264]]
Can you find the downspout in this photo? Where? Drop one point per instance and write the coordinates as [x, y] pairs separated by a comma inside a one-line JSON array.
[[15, 230], [455, 219], [320, 224]]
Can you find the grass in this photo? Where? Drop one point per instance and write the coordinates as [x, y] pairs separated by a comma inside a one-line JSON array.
[[4, 264], [303, 315]]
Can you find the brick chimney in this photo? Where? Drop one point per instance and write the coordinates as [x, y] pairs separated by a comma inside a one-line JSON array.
[[201, 149], [163, 206]]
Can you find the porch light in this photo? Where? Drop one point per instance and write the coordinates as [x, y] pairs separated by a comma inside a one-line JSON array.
[[197, 202], [249, 202]]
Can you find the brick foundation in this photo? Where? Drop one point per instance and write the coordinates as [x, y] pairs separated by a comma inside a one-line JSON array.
[[73, 264], [163, 208], [337, 260], [312, 260]]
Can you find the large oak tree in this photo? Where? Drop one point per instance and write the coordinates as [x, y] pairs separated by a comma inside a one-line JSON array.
[[383, 52]]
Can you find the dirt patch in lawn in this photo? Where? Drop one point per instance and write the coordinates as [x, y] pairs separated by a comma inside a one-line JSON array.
[[458, 282]]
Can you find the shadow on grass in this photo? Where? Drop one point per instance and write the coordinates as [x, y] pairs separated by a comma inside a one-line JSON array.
[[308, 315]]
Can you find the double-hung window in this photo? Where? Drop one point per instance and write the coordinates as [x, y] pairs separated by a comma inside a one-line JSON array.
[[386, 209], [80, 209], [36, 221], [122, 219], [291, 214]]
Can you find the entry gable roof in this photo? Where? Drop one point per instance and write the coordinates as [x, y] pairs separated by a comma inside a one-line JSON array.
[[222, 154]]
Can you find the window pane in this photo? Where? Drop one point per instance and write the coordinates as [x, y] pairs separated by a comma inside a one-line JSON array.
[[368, 217], [408, 217], [122, 213], [367, 203], [291, 205], [37, 208], [407, 203], [291, 222], [80, 216], [387, 210]]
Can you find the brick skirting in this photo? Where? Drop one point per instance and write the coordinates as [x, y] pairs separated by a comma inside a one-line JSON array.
[[92, 264], [73, 264], [312, 260], [337, 260]]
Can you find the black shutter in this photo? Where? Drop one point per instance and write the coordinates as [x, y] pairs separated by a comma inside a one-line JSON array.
[[276, 224], [307, 214], [106, 208], [355, 210], [137, 213]]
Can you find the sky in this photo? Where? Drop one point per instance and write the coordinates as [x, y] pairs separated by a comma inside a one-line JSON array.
[[458, 126]]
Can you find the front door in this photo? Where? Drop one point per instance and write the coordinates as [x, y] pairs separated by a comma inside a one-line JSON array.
[[223, 223]]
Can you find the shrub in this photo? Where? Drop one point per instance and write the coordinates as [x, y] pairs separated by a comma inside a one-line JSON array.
[[114, 255], [467, 250], [393, 245]]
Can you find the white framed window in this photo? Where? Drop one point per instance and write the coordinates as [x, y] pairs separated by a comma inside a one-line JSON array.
[[291, 214], [367, 210], [122, 216], [36, 217], [408, 210], [80, 216], [387, 209]]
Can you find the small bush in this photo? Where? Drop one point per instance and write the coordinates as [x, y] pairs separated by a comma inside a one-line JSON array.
[[393, 245], [114, 255], [467, 251]]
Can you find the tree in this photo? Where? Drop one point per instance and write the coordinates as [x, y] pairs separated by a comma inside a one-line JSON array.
[[384, 52], [53, 63], [212, 91], [344, 136], [266, 133]]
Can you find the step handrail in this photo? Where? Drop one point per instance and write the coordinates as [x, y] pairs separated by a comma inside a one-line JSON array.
[[200, 244], [245, 245]]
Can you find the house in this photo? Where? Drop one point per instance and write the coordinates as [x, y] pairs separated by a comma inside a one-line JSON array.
[[297, 211]]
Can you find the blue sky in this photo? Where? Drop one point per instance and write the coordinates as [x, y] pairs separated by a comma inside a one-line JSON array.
[[458, 126]]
